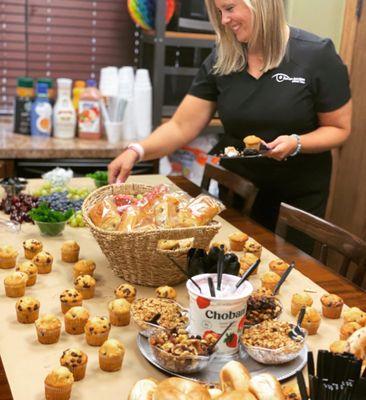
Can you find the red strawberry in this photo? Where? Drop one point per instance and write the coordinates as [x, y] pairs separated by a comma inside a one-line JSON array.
[[202, 302], [231, 340]]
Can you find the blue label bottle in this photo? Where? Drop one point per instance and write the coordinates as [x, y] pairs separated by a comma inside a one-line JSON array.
[[41, 113]]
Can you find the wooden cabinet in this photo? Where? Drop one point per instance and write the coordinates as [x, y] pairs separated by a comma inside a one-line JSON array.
[[348, 200]]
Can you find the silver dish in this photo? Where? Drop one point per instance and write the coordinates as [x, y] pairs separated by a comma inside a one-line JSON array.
[[211, 374]]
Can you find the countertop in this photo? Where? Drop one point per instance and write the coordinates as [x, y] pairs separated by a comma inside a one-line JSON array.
[[15, 146]]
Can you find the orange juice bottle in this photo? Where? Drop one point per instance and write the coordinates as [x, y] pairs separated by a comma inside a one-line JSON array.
[[89, 112]]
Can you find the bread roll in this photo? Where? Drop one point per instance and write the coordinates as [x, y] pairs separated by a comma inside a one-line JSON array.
[[180, 389], [357, 343], [237, 395], [104, 215], [234, 376], [143, 389], [266, 387]]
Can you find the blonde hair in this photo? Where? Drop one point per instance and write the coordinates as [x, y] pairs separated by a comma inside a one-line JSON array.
[[269, 37]]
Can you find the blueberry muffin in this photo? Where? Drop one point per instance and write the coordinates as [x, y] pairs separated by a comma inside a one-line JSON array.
[[70, 251], [75, 361], [251, 246], [339, 346], [166, 292], [119, 312], [29, 268], [85, 284], [75, 320], [8, 257], [332, 306], [48, 329], [58, 384], [311, 321], [27, 309], [269, 280], [125, 291], [355, 314], [252, 142], [15, 284], [97, 330], [111, 355], [31, 248], [298, 301], [70, 298], [84, 267], [348, 329], [237, 241], [278, 266], [44, 261], [246, 261]]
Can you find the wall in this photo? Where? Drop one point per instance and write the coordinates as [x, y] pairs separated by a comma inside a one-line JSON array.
[[322, 17]]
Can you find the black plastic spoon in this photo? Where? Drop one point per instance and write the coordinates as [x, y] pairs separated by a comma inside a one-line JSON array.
[[247, 274], [184, 272], [296, 333], [283, 278]]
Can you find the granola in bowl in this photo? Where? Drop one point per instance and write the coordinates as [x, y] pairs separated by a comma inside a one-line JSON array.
[[149, 313], [269, 342], [178, 351]]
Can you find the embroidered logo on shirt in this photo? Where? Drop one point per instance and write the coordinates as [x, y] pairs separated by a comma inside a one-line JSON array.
[[280, 77]]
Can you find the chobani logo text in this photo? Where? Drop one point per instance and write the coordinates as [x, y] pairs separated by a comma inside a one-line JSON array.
[[224, 316]]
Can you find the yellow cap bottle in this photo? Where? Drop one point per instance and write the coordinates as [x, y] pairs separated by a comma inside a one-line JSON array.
[[79, 87]]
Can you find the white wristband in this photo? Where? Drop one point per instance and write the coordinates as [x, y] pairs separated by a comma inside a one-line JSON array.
[[298, 145], [138, 149]]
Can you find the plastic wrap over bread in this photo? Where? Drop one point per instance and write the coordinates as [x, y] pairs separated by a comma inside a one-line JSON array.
[[159, 208]]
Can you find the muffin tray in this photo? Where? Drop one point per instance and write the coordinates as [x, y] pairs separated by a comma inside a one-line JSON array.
[[246, 153], [211, 374]]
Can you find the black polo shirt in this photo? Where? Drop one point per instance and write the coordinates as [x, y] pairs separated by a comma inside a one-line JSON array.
[[311, 79]]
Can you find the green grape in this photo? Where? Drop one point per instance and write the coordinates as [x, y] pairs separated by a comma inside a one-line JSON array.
[[139, 196], [73, 223], [47, 185]]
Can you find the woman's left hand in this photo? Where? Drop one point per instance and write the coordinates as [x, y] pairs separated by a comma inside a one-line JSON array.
[[281, 147]]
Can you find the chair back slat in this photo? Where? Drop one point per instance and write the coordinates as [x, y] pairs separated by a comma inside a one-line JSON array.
[[235, 184], [323, 257], [351, 247]]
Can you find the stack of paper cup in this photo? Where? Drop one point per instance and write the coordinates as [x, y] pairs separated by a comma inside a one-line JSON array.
[[113, 131], [126, 80], [143, 103], [108, 82]]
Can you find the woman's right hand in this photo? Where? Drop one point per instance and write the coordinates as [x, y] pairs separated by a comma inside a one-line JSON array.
[[119, 169]]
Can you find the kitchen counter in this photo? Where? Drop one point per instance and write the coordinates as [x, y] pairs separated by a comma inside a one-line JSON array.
[[15, 146]]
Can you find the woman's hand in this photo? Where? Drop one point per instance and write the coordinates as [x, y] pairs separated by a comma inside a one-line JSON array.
[[281, 147], [119, 169]]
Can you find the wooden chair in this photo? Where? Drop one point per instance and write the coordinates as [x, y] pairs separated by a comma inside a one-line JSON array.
[[234, 183], [328, 236]]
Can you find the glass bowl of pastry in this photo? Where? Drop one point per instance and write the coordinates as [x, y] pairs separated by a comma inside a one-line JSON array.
[[150, 313], [178, 351], [270, 343]]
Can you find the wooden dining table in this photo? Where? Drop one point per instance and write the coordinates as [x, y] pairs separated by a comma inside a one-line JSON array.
[[322, 275]]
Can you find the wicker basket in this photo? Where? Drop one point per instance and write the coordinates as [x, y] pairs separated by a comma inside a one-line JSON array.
[[134, 256]]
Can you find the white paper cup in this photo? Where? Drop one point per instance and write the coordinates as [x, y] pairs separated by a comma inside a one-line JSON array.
[[211, 315], [113, 131]]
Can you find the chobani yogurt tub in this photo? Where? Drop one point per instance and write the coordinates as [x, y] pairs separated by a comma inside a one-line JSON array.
[[211, 315]]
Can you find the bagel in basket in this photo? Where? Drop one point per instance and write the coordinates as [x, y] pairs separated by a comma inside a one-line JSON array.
[[234, 376], [143, 389], [180, 389], [266, 387]]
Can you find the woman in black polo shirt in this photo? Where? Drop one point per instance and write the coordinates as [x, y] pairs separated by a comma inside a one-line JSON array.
[[284, 85]]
